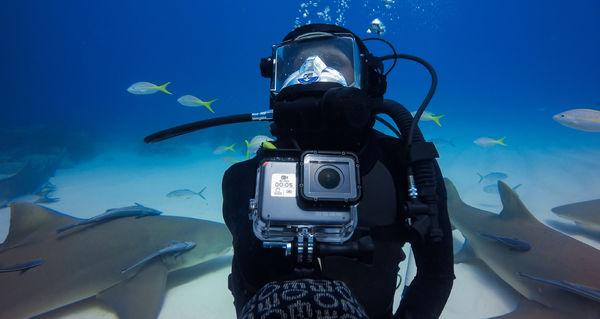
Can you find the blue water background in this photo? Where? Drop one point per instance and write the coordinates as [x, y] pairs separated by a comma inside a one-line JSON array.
[[505, 67]]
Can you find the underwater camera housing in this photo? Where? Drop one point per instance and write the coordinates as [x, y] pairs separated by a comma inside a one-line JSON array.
[[305, 199]]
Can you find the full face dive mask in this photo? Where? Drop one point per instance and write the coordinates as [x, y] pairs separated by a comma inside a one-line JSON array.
[[316, 87]]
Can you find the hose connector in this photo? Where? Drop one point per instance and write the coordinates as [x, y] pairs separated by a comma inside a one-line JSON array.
[[413, 193], [263, 116]]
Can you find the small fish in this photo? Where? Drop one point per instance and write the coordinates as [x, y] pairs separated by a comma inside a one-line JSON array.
[[511, 243], [586, 120], [489, 142], [427, 116], [439, 141], [268, 145], [176, 247], [186, 193], [46, 200], [493, 188], [376, 27], [581, 290], [142, 88], [46, 189], [254, 144], [492, 177], [192, 101], [22, 267], [222, 149], [44, 193], [136, 210]]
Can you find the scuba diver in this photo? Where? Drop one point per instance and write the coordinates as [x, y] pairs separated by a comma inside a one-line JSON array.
[[327, 85], [325, 209]]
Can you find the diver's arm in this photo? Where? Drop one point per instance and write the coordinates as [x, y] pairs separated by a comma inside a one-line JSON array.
[[427, 294], [237, 189], [233, 200]]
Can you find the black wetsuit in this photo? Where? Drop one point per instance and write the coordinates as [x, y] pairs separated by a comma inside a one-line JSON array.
[[383, 176]]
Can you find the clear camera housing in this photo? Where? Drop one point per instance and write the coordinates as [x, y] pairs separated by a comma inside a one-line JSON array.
[[315, 193]]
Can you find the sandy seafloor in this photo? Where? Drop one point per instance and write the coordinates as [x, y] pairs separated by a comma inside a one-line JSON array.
[[549, 178]]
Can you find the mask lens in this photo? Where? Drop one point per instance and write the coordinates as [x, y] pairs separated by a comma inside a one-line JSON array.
[[317, 59]]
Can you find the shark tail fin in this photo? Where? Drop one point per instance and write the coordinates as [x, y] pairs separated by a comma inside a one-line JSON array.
[[231, 147], [163, 88], [139, 297], [512, 206]]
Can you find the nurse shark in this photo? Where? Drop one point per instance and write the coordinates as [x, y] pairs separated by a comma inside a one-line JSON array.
[[557, 275], [29, 179], [123, 262], [584, 214]]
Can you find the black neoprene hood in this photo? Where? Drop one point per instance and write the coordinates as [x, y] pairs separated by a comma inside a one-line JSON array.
[[328, 28]]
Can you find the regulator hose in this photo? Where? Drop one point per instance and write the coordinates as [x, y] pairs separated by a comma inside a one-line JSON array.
[[420, 155], [195, 126], [425, 217]]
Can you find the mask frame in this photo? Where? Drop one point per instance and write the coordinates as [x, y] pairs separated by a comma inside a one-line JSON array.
[[273, 67]]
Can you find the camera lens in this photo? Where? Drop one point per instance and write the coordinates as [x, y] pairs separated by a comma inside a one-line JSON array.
[[329, 178]]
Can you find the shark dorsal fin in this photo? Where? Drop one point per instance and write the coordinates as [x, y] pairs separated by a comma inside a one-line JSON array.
[[452, 193], [30, 221], [512, 206]]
